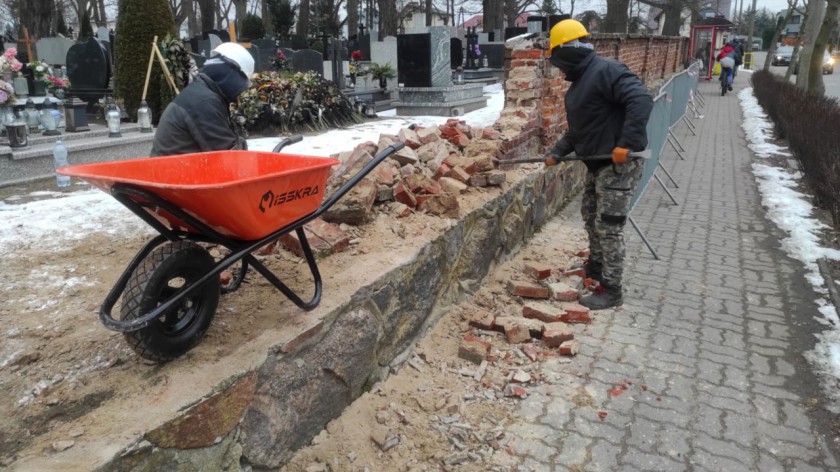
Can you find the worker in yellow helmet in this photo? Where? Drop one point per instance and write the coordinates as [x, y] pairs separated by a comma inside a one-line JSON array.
[[607, 109]]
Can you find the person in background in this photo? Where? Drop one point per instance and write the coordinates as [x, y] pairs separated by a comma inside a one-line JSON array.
[[198, 119], [607, 108]]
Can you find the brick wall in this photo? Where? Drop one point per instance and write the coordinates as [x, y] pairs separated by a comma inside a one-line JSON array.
[[534, 89]]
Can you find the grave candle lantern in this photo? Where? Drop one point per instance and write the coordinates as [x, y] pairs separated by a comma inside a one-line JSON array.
[[113, 119], [144, 117], [48, 121], [31, 116]]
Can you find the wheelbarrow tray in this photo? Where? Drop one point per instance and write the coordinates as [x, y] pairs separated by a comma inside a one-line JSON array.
[[243, 195]]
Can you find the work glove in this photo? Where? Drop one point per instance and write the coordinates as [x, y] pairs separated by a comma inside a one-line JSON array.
[[551, 160], [620, 155]]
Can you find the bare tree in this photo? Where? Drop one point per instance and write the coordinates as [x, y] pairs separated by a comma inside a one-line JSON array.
[[771, 51], [814, 80], [616, 19], [814, 18], [388, 18], [36, 17], [207, 8], [303, 18]]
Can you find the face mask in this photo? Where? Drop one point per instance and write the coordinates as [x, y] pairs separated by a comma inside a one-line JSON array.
[[567, 59]]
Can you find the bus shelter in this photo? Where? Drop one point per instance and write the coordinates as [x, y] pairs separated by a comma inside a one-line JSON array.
[[707, 39]]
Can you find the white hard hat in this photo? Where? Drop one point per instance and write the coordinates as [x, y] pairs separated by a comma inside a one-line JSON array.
[[239, 55]]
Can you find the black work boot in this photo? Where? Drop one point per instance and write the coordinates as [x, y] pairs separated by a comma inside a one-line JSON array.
[[592, 270], [603, 298]]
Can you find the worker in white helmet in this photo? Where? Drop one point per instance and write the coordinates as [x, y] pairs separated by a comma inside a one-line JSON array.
[[199, 120]]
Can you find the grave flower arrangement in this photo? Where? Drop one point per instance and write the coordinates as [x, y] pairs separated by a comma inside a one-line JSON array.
[[41, 71], [303, 101], [355, 58], [7, 94], [9, 62], [280, 61], [57, 83]]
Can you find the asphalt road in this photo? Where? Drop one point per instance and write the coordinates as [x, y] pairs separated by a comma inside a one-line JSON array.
[[832, 81]]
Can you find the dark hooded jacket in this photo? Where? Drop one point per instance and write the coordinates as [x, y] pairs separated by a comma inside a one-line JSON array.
[[607, 106], [198, 120]]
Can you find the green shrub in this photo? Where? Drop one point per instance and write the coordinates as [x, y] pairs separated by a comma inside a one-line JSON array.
[[138, 23], [807, 121], [252, 27]]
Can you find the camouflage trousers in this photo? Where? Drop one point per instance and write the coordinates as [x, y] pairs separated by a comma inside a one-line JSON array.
[[607, 193]]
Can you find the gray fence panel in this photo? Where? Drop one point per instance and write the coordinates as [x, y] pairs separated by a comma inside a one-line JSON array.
[[681, 89], [657, 132]]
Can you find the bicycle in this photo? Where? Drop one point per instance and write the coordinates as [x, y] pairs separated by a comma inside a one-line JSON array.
[[727, 65]]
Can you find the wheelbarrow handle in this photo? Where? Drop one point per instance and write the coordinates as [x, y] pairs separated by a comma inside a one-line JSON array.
[[286, 141], [599, 157]]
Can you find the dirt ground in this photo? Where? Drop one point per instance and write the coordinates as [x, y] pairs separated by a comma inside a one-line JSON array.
[[58, 362], [439, 411]]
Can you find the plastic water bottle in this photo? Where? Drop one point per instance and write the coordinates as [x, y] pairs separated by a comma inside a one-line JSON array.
[[60, 155]]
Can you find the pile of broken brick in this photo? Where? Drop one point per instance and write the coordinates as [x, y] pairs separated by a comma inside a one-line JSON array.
[[549, 309], [437, 164]]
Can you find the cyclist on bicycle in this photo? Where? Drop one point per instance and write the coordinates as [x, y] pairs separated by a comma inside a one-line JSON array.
[[727, 64]]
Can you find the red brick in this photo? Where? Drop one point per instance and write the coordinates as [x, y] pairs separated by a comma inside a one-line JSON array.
[[516, 330], [575, 272], [419, 184], [401, 210], [483, 319], [528, 290], [531, 351], [569, 348], [428, 135], [459, 174], [537, 270], [404, 195], [450, 185], [324, 239], [555, 334], [563, 293], [441, 172], [441, 205], [512, 390], [478, 180], [576, 318], [584, 253], [490, 133], [543, 312], [410, 138], [574, 309], [473, 349]]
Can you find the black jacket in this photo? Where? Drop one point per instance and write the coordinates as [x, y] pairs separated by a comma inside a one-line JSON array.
[[607, 106], [198, 120]]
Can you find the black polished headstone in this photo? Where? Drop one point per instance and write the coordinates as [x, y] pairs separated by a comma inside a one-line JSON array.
[[364, 46], [554, 19], [514, 31], [299, 42], [414, 59], [266, 50], [307, 60], [495, 54], [89, 70], [456, 53]]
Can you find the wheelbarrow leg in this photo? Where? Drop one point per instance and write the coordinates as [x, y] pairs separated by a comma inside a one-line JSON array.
[[313, 268]]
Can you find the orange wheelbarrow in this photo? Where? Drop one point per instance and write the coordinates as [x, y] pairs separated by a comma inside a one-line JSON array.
[[241, 200]]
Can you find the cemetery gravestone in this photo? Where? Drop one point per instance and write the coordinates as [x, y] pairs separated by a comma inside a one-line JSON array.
[[423, 59], [53, 51], [514, 31], [89, 70], [307, 60], [456, 53], [299, 42], [495, 53], [215, 41], [364, 46]]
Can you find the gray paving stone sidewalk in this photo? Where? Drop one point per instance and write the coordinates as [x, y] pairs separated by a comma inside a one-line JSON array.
[[703, 369]]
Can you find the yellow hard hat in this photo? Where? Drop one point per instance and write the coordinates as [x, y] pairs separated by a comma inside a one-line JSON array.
[[565, 31]]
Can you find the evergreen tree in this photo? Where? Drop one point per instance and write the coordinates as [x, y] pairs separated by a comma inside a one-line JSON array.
[[60, 25], [138, 22], [85, 29], [283, 16], [548, 8], [252, 27]]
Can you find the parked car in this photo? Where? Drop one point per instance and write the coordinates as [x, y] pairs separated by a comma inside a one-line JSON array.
[[827, 66], [782, 56]]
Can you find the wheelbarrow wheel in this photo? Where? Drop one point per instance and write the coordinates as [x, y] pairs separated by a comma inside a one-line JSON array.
[[163, 272]]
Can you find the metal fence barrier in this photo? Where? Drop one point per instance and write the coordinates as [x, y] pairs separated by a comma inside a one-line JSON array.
[[677, 96]]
